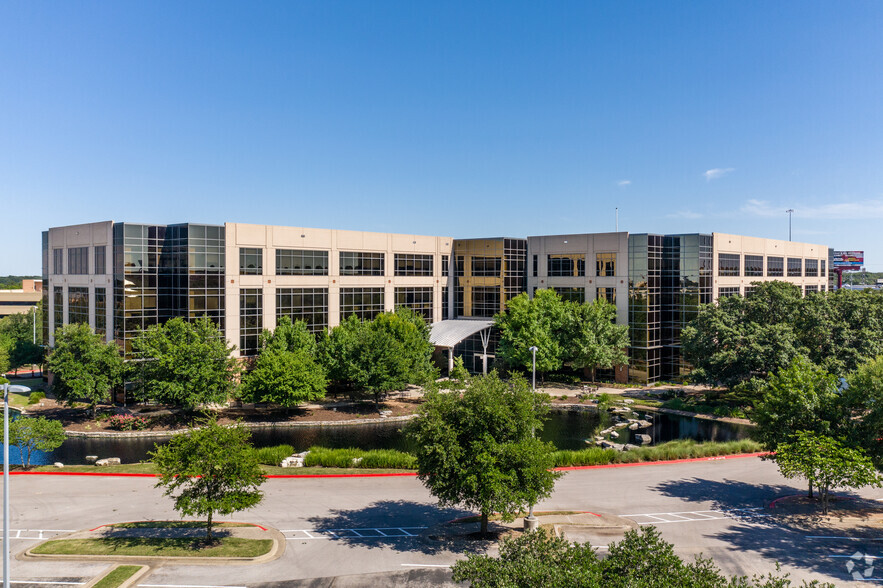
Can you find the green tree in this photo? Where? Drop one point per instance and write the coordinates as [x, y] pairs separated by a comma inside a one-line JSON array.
[[83, 367], [371, 358], [477, 447], [591, 336], [289, 336], [642, 559], [29, 434], [863, 401], [529, 322], [4, 357], [284, 377], [825, 463], [209, 470], [735, 341], [183, 363]]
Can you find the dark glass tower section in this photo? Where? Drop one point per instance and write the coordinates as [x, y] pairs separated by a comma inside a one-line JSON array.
[[645, 307], [162, 272], [686, 284], [45, 279]]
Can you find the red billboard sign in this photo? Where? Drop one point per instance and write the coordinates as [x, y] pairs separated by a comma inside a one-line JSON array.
[[848, 260]]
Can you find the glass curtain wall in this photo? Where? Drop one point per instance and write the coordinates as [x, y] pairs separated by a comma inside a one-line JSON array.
[[686, 285], [645, 293], [488, 273]]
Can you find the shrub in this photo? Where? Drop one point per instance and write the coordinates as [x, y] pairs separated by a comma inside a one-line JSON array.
[[127, 422], [36, 397], [273, 455], [680, 449], [358, 458]]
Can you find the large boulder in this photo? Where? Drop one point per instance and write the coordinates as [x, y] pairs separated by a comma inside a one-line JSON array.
[[108, 461]]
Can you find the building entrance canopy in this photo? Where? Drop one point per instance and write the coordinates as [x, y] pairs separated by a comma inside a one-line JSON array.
[[447, 334]]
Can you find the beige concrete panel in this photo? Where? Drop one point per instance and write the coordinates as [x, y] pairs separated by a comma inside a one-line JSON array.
[[301, 238], [362, 241], [414, 244], [248, 235]]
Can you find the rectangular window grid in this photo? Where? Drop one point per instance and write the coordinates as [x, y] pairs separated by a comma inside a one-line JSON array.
[[417, 299], [728, 291], [485, 301], [824, 272], [566, 265], [309, 305], [795, 267], [728, 264], [412, 264], [58, 261], [445, 261], [812, 268], [446, 305], [775, 267], [100, 260], [754, 266], [605, 264], [251, 261], [536, 265], [301, 262], [78, 260], [77, 305], [571, 294], [608, 294], [101, 312], [58, 308], [810, 289], [487, 266], [361, 263], [251, 318], [365, 303]]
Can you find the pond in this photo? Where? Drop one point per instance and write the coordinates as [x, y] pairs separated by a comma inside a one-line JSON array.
[[565, 429]]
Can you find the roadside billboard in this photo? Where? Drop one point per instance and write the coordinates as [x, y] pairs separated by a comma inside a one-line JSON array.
[[848, 260]]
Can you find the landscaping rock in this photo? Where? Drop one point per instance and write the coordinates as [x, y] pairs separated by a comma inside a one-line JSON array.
[[292, 462], [58, 464], [614, 435], [629, 447], [643, 439], [633, 427], [644, 424], [91, 458], [108, 461]]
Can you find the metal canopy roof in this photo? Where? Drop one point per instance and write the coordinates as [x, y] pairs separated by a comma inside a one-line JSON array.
[[449, 333]]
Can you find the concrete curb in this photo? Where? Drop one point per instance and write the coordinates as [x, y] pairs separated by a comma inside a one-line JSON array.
[[275, 552], [137, 576]]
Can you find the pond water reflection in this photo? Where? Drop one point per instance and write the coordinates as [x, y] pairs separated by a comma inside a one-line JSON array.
[[565, 429]]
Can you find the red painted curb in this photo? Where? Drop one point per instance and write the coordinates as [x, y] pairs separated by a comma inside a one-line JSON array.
[[400, 474]]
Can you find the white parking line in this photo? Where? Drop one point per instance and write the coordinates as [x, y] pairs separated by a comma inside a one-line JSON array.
[[660, 518], [366, 533], [35, 534]]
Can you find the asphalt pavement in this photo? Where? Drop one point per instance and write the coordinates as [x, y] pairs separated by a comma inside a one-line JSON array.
[[372, 531]]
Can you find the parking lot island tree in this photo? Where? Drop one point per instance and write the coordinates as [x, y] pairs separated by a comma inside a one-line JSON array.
[[825, 463], [183, 363], [83, 367], [211, 469], [476, 447]]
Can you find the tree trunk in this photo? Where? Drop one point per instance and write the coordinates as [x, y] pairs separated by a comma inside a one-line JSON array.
[[95, 411], [823, 492], [208, 528], [810, 490], [484, 524]]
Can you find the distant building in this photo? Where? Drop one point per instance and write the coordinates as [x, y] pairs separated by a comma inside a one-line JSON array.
[[122, 277], [21, 301]]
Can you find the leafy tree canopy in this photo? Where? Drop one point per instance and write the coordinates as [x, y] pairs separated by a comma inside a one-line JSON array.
[[591, 337], [84, 368], [29, 434], [642, 559], [288, 336], [477, 447], [863, 398], [183, 363], [284, 377], [826, 463], [529, 322], [209, 470]]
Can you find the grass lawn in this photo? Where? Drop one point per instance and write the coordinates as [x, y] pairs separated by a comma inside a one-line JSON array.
[[150, 546], [117, 576], [128, 468], [174, 525]]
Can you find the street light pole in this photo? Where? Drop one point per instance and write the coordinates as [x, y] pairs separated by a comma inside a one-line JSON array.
[[6, 485], [790, 211], [530, 521]]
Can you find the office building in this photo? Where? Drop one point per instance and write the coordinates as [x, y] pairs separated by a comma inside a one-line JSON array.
[[122, 277]]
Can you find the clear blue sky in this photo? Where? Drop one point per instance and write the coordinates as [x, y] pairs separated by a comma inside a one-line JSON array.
[[464, 119]]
